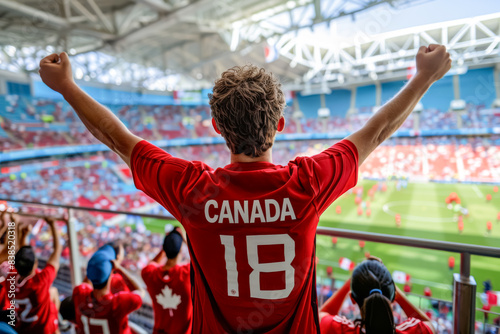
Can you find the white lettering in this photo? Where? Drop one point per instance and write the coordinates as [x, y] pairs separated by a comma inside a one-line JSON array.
[[257, 213], [276, 205], [287, 209], [226, 213], [238, 211], [207, 208], [241, 211]]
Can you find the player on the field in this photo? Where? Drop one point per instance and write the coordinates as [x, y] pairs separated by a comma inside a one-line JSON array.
[[36, 302], [251, 225], [97, 310], [371, 287], [169, 286]]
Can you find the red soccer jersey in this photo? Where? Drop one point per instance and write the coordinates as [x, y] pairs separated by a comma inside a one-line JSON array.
[[4, 273], [118, 284], [35, 312], [170, 292], [251, 231], [108, 315], [337, 324]]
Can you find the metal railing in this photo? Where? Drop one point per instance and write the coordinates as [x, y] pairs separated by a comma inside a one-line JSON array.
[[464, 287]]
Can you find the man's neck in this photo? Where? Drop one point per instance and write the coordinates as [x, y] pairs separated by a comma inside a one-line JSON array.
[[170, 263], [266, 157]]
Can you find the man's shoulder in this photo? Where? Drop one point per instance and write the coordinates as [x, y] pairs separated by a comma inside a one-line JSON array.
[[82, 289], [122, 298], [183, 269], [149, 151], [411, 325], [149, 269]]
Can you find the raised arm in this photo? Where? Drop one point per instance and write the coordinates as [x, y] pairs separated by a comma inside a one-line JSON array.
[[410, 310], [24, 232], [55, 257], [131, 281], [55, 71], [159, 257], [432, 64], [333, 305], [4, 220]]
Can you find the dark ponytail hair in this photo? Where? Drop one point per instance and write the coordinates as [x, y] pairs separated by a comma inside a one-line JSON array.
[[373, 290]]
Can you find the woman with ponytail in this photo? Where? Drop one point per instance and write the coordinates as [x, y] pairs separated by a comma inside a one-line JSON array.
[[371, 287]]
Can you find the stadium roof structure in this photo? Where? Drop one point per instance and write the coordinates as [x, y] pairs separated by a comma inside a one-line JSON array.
[[186, 44]]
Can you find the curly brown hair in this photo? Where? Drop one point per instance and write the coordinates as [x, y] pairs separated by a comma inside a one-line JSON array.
[[247, 104]]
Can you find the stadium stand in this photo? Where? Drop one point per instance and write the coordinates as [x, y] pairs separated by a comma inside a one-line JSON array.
[[27, 122], [48, 156]]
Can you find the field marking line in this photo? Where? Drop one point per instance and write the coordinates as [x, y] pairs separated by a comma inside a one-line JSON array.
[[477, 191]]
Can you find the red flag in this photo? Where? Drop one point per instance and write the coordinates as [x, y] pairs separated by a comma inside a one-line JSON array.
[[493, 298], [400, 277], [346, 264]]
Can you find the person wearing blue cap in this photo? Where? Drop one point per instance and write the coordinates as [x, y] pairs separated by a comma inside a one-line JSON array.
[[118, 283], [371, 287], [169, 286], [97, 309]]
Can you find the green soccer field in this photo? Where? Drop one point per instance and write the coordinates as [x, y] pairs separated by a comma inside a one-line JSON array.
[[424, 214]]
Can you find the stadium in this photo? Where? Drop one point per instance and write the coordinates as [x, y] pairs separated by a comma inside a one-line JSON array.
[[426, 201]]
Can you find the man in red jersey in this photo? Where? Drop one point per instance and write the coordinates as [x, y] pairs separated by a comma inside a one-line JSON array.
[[251, 225], [21, 237], [118, 283], [97, 310], [170, 288], [36, 302]]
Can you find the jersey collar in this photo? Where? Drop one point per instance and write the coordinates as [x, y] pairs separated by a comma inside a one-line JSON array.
[[248, 166]]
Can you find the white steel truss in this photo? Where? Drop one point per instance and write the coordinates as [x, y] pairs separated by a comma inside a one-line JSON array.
[[471, 42], [160, 44]]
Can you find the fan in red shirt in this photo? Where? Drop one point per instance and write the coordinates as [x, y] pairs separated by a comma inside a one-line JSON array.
[[22, 232], [250, 225], [118, 283], [170, 288], [97, 310], [371, 287], [36, 302]]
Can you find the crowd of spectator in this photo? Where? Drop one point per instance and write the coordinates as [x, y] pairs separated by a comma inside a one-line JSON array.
[[30, 123], [102, 180]]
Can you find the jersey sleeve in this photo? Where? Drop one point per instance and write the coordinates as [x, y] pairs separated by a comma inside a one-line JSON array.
[[46, 276], [413, 326], [148, 271], [331, 173], [336, 324], [126, 302], [78, 292], [160, 175], [118, 284]]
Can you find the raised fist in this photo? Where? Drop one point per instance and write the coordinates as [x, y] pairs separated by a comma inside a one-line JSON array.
[[433, 61], [55, 71]]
